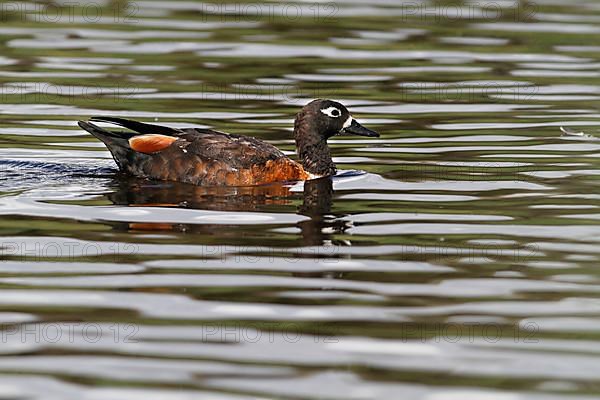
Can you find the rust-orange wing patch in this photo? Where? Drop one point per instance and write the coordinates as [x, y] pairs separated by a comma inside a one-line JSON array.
[[149, 144]]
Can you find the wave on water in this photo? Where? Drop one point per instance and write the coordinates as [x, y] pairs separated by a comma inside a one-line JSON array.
[[26, 174]]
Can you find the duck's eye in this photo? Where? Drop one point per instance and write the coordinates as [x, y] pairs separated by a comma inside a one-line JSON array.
[[331, 112]]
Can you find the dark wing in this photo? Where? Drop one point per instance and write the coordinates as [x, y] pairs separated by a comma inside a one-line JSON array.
[[207, 144], [238, 151]]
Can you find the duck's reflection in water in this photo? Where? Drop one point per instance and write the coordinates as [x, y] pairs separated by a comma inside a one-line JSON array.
[[140, 192], [315, 202]]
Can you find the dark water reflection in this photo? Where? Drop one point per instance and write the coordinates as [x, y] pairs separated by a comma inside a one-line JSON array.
[[315, 202], [461, 264]]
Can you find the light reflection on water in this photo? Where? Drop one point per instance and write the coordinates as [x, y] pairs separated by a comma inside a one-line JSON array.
[[454, 257]]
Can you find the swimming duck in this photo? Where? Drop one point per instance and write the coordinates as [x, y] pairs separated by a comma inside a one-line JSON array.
[[206, 157]]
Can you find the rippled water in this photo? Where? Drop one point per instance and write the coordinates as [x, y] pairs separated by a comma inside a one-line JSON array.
[[455, 257]]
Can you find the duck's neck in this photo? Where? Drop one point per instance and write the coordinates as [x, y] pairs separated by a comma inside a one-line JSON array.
[[312, 149]]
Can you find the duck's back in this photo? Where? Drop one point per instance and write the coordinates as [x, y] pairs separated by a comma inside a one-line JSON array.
[[238, 151], [198, 156]]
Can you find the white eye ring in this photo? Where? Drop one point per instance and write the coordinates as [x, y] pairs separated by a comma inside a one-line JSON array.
[[332, 112]]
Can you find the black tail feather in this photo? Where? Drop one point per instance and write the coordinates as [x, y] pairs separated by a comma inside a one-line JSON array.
[[139, 127], [104, 134], [116, 142]]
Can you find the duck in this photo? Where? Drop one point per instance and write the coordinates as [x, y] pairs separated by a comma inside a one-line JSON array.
[[206, 157]]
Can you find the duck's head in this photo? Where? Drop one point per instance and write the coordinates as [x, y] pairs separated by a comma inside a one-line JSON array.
[[315, 123], [327, 118]]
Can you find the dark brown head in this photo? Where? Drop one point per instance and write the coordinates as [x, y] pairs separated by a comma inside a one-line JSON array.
[[315, 123]]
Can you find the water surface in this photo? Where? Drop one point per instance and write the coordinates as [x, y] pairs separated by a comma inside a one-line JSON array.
[[453, 258]]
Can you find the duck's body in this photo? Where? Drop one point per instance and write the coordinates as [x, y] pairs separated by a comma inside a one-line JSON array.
[[206, 157], [198, 156]]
